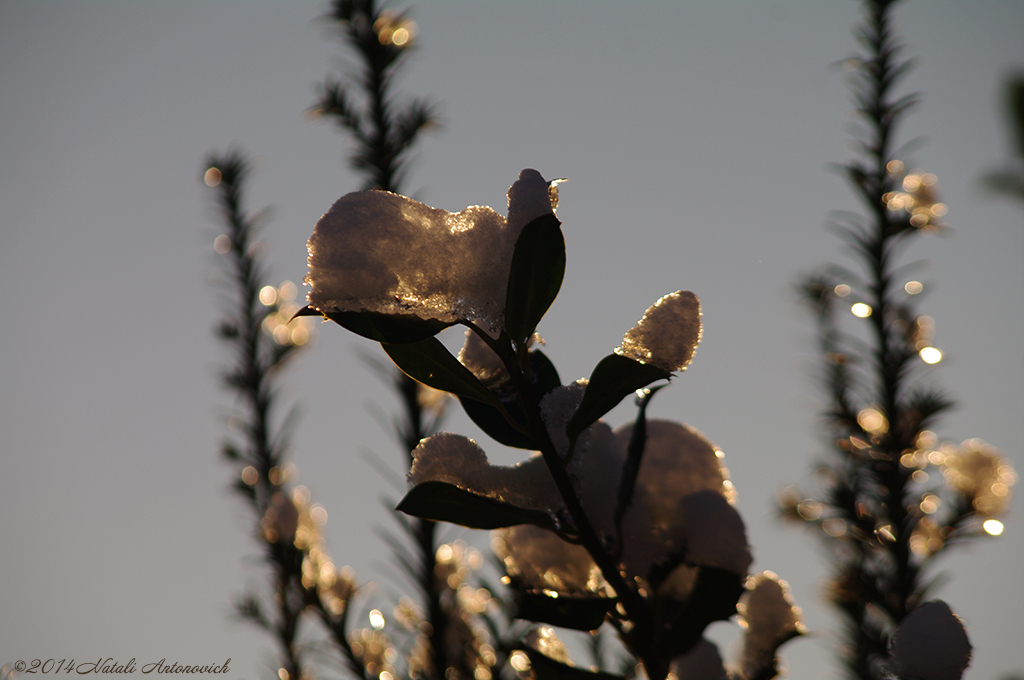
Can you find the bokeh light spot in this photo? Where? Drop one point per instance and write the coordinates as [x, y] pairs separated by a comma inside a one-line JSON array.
[[212, 177], [222, 244], [400, 37], [268, 295], [834, 527], [287, 291], [519, 661], [930, 504], [992, 527], [861, 310], [872, 421], [376, 619]]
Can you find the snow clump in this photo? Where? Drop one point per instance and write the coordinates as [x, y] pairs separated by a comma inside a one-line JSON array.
[[375, 251], [667, 335]]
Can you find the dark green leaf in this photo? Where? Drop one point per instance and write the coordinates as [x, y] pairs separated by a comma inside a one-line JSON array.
[[634, 455], [430, 362], [613, 379], [577, 613], [393, 328], [538, 265], [491, 421], [543, 373], [443, 502], [547, 668], [544, 377], [307, 311], [713, 598]]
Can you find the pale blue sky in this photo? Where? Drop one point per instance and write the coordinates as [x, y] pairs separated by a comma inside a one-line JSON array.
[[696, 137]]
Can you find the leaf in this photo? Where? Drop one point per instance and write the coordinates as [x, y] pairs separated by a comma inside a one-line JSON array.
[[490, 420], [544, 377], [538, 265], [612, 380], [565, 611], [713, 598], [392, 328], [546, 668], [634, 455], [307, 311], [429, 362], [444, 502], [543, 374]]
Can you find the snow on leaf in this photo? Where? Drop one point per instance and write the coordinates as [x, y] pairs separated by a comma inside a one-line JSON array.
[[667, 335], [679, 465], [481, 360], [539, 560], [680, 505], [458, 460], [375, 251], [770, 617], [557, 409]]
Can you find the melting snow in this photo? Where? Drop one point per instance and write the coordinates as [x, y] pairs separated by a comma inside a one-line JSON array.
[[458, 460], [380, 252], [770, 617], [540, 560], [557, 408], [667, 335], [681, 499]]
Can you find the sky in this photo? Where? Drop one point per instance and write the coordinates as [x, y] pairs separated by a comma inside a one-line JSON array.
[[697, 139]]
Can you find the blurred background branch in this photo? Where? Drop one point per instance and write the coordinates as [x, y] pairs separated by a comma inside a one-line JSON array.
[[1008, 180], [255, 327], [893, 497]]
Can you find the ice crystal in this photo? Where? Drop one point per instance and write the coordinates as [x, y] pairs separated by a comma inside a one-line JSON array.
[[375, 251], [931, 644], [667, 335]]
